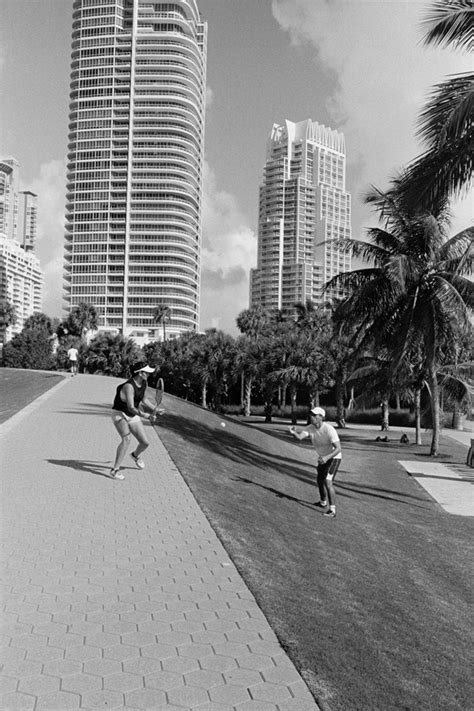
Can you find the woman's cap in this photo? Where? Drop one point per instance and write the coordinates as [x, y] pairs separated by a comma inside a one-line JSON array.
[[141, 365]]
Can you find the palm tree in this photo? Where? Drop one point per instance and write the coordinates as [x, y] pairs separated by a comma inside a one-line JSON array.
[[162, 314], [446, 124], [82, 318], [7, 318], [416, 290]]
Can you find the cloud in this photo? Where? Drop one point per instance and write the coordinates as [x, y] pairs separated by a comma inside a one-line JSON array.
[[228, 252], [382, 76], [50, 188]]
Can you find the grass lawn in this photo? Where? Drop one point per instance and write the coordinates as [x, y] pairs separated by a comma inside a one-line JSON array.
[[19, 387], [374, 607]]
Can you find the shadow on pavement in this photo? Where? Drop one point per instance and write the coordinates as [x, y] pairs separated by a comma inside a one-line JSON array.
[[82, 466]]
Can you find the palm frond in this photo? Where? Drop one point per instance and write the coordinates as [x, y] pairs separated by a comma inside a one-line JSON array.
[[449, 23], [448, 112], [435, 175]]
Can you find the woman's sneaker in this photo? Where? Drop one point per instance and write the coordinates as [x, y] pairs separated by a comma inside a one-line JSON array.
[[139, 462], [330, 514]]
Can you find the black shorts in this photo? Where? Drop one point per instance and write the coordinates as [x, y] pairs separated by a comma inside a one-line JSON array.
[[328, 470]]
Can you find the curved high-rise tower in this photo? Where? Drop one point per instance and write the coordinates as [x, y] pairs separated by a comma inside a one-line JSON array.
[[303, 206], [134, 174]]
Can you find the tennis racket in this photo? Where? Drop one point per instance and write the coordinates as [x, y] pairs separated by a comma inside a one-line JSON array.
[[159, 392]]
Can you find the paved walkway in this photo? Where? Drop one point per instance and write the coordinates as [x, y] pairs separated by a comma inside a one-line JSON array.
[[119, 594]]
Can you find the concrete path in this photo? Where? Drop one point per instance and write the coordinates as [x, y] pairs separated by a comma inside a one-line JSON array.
[[119, 594]]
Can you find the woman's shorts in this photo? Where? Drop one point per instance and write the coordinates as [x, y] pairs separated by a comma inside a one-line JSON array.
[[118, 416]]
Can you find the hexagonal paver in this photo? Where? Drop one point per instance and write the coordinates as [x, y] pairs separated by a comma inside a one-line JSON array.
[[218, 663], [297, 705], [39, 685], [229, 694], [257, 706], [270, 692], [60, 701], [45, 654], [102, 667], [159, 651], [28, 641], [242, 677], [258, 662], [103, 700], [189, 696], [138, 639], [281, 675], [21, 668], [203, 678], [7, 684], [231, 649], [80, 683], [142, 665], [146, 699], [164, 680], [102, 639], [180, 664], [22, 702], [120, 652], [195, 650], [83, 653], [62, 667], [123, 682]]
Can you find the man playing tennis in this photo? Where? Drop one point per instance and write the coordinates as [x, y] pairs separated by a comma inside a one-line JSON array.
[[325, 441], [130, 405]]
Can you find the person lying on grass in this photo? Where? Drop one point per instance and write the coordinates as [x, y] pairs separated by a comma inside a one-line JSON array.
[[327, 445]]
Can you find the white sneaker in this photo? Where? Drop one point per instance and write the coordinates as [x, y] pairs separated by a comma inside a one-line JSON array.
[[139, 462]]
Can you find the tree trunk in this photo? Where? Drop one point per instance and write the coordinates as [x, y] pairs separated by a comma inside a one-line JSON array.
[[385, 426], [397, 401], [248, 396], [204, 395], [418, 415], [242, 391], [294, 418], [340, 409], [435, 411]]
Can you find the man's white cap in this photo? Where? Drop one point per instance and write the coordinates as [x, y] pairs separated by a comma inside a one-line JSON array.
[[318, 411]]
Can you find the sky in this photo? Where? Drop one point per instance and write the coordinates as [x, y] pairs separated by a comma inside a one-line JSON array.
[[357, 66]]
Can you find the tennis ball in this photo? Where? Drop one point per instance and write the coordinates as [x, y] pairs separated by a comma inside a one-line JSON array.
[[222, 424]]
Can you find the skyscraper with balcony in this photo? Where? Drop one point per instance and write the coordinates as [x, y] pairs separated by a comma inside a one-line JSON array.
[[303, 202], [21, 277], [134, 176]]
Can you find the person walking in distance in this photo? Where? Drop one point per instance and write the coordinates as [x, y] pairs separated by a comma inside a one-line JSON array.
[[72, 357], [327, 445], [129, 406]]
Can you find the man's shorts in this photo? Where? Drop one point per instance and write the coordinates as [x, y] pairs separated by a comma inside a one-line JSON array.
[[328, 470]]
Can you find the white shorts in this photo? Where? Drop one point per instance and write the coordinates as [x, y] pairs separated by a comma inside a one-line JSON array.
[[118, 416]]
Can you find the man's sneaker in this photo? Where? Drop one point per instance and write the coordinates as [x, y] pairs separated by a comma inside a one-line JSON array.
[[330, 514], [320, 505], [139, 462]]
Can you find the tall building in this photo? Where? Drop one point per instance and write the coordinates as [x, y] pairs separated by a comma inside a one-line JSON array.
[[21, 283], [21, 278], [9, 181], [302, 203], [134, 176], [28, 211]]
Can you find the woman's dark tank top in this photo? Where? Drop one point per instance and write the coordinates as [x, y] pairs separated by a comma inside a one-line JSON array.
[[138, 395]]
